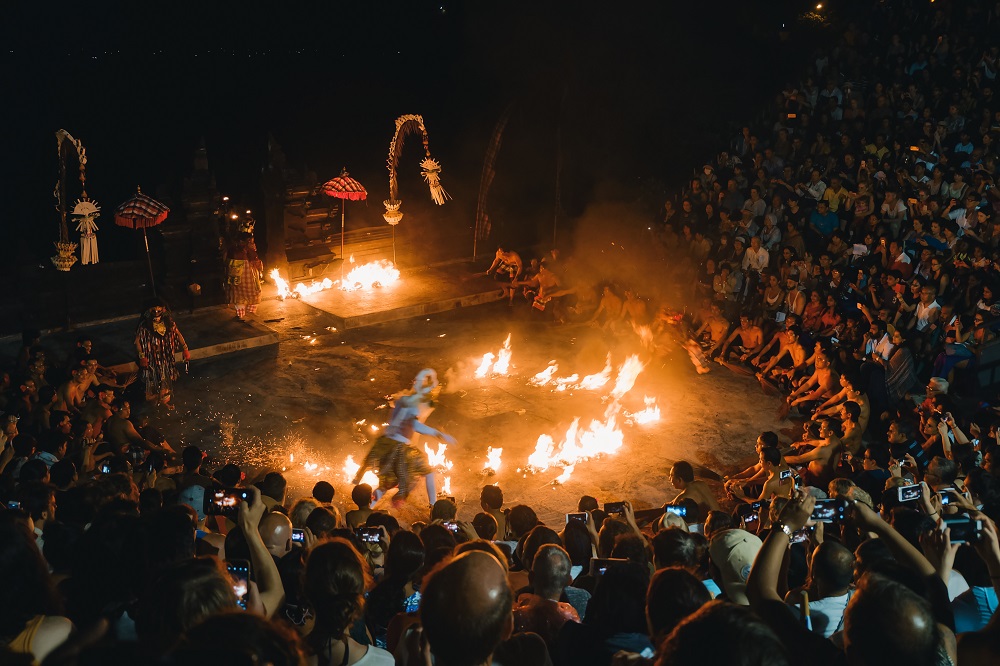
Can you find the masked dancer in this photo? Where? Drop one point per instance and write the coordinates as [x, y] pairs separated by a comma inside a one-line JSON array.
[[156, 340]]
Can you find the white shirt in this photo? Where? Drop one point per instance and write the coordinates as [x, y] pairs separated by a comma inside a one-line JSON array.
[[376, 657], [755, 260], [904, 258], [924, 313], [827, 614], [816, 190]]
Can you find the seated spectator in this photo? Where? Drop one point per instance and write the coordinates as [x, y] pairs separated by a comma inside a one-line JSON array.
[[682, 478], [831, 573], [541, 611], [324, 492], [336, 579], [719, 634], [444, 510], [491, 500], [399, 589], [731, 554], [300, 511], [485, 525], [240, 636], [362, 496]]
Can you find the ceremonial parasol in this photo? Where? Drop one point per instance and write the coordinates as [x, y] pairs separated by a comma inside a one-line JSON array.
[[346, 188], [142, 212]]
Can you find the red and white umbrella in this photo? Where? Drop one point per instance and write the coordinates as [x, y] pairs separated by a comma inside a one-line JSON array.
[[142, 212], [347, 189]]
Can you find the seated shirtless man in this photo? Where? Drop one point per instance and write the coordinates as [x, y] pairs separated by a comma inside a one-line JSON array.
[[779, 338], [819, 386], [550, 292], [819, 455], [751, 340], [788, 362], [71, 394], [506, 267], [774, 468], [849, 381], [715, 326], [635, 309], [612, 307], [755, 474], [682, 477]]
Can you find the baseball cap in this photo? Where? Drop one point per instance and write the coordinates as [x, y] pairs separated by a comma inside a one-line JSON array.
[[733, 552]]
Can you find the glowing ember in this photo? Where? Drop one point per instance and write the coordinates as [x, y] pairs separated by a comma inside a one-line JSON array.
[[650, 414], [627, 374], [310, 467], [437, 459], [545, 376], [503, 358], [493, 459], [484, 366], [597, 381], [379, 273]]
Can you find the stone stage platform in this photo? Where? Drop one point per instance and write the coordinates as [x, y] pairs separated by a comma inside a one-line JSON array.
[[419, 292], [209, 332]]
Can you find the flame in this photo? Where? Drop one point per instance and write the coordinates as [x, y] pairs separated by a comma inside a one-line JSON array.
[[645, 336], [351, 468], [379, 273], [650, 414], [597, 381], [305, 290], [283, 290], [542, 457], [545, 376], [563, 383], [567, 472], [503, 358], [627, 374], [484, 366], [493, 459], [446, 486], [437, 459], [502, 364]]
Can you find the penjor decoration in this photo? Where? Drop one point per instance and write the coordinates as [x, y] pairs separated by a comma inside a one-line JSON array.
[[430, 170], [84, 209]]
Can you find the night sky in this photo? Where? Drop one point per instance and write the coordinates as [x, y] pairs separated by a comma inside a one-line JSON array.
[[641, 91]]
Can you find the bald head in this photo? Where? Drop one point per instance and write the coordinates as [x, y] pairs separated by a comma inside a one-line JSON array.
[[833, 567], [886, 622], [466, 609], [276, 532]]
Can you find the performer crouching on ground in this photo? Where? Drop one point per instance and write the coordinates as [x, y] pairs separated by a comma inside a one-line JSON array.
[[394, 455]]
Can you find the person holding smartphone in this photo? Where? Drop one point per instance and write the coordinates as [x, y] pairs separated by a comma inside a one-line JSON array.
[[777, 483]]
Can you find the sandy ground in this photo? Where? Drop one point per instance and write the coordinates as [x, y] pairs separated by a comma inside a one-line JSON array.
[[314, 403]]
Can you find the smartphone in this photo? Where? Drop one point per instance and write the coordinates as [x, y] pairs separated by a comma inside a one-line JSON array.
[[105, 467], [226, 501], [599, 566], [909, 493], [239, 570], [614, 507], [784, 474], [13, 505], [298, 536], [835, 341], [963, 529], [581, 517], [681, 511], [373, 534], [801, 536], [829, 510], [750, 517], [756, 505], [945, 497]]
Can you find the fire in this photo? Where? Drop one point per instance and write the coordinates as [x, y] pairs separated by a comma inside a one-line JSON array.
[[283, 290], [567, 472], [379, 273], [542, 457], [305, 290], [301, 289], [446, 486], [545, 376], [437, 458], [563, 383], [484, 366], [650, 414], [627, 374], [503, 358], [492, 459], [502, 364], [351, 468], [597, 381]]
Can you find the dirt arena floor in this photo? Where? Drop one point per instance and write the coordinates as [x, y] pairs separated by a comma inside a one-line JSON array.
[[323, 395]]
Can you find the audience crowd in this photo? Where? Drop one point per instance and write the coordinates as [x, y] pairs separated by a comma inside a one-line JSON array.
[[846, 252]]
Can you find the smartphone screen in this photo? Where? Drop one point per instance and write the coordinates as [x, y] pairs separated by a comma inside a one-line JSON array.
[[298, 536], [908, 493], [963, 529], [239, 570], [580, 517], [829, 510], [784, 474], [226, 501], [371, 534], [681, 511]]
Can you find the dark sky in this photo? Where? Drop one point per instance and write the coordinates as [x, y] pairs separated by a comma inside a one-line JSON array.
[[641, 90]]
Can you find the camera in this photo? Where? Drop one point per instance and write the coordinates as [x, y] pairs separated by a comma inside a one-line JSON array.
[[829, 510], [581, 517], [226, 501], [908, 493], [298, 535], [13, 505], [599, 566], [373, 534], [681, 511], [614, 507], [784, 474], [963, 529], [240, 572]]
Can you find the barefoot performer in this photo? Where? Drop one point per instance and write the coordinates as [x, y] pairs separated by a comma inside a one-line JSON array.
[[156, 340], [394, 454]]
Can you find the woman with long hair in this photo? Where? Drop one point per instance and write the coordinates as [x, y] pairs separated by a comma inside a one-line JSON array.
[[335, 582], [399, 590]]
